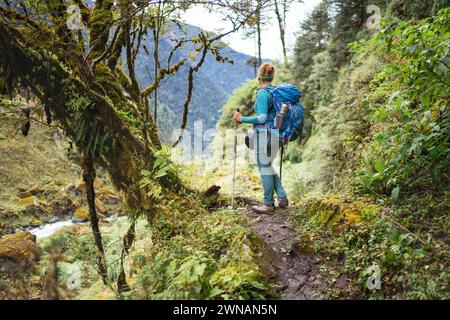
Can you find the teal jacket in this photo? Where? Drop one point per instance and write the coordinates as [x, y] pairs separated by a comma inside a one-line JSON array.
[[264, 109]]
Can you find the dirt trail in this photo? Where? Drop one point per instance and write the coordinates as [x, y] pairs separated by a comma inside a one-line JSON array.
[[295, 266]]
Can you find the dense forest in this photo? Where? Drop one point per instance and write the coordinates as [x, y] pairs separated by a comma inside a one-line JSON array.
[[96, 202]]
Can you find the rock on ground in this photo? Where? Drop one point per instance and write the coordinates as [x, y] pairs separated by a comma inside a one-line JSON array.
[[18, 251]]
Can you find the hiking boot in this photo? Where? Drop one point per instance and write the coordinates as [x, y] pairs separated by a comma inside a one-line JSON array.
[[283, 203], [264, 209]]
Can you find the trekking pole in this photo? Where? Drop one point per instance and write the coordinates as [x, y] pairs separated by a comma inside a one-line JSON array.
[[234, 161], [281, 158]]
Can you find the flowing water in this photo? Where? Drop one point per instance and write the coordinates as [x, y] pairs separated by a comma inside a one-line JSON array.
[[49, 229], [46, 230]]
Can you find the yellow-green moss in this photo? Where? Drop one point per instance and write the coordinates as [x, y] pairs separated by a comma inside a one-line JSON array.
[[20, 248], [332, 211], [81, 214]]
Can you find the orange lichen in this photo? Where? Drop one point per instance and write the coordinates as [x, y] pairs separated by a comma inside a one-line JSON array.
[[18, 251]]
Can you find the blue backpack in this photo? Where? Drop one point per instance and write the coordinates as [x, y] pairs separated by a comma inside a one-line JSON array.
[[295, 119]]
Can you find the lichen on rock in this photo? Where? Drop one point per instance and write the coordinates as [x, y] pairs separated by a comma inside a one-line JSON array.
[[31, 200], [81, 215], [18, 251], [335, 212]]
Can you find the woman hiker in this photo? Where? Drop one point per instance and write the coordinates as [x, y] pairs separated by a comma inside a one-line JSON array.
[[267, 142]]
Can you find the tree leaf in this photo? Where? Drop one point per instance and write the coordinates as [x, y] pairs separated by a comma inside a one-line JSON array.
[[395, 194]]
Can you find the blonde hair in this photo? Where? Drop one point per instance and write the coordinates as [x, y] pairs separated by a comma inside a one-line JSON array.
[[266, 72]]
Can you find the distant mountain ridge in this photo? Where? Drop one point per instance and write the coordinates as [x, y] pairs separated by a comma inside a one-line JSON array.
[[214, 83]]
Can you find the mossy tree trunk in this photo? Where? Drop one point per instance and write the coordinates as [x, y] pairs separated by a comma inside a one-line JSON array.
[[87, 164]]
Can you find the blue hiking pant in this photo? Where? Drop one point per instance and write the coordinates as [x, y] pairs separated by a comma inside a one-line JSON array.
[[267, 145]]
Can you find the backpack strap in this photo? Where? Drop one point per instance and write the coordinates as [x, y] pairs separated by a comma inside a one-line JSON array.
[[269, 90]]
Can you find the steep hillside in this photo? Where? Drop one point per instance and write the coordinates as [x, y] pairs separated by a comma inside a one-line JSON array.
[[40, 179]]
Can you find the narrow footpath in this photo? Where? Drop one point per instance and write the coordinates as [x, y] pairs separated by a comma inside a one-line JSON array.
[[296, 268]]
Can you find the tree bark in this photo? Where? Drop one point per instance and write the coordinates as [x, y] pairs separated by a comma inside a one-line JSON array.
[[87, 164], [258, 30], [281, 18], [156, 33]]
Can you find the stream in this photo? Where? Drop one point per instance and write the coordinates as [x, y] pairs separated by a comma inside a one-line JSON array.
[[48, 229]]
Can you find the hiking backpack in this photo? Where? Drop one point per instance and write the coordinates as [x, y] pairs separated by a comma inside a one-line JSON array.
[[293, 126]]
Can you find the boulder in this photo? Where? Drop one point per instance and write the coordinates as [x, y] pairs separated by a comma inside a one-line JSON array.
[[24, 194], [338, 212], [107, 192], [81, 186], [62, 207], [27, 201], [18, 251], [81, 215], [34, 191], [35, 212], [210, 197]]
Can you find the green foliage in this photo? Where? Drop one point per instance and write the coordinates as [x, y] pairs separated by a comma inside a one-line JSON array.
[[409, 145], [93, 137], [162, 167], [409, 269], [349, 25], [314, 33], [319, 83], [169, 276], [419, 9], [384, 128], [199, 256]]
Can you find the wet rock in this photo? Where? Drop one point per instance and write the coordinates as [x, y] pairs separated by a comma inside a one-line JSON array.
[[34, 211], [18, 251], [62, 207]]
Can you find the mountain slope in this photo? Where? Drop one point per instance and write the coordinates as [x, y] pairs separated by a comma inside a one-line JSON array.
[[214, 83]]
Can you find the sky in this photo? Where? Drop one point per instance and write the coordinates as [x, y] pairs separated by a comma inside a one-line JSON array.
[[271, 49]]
